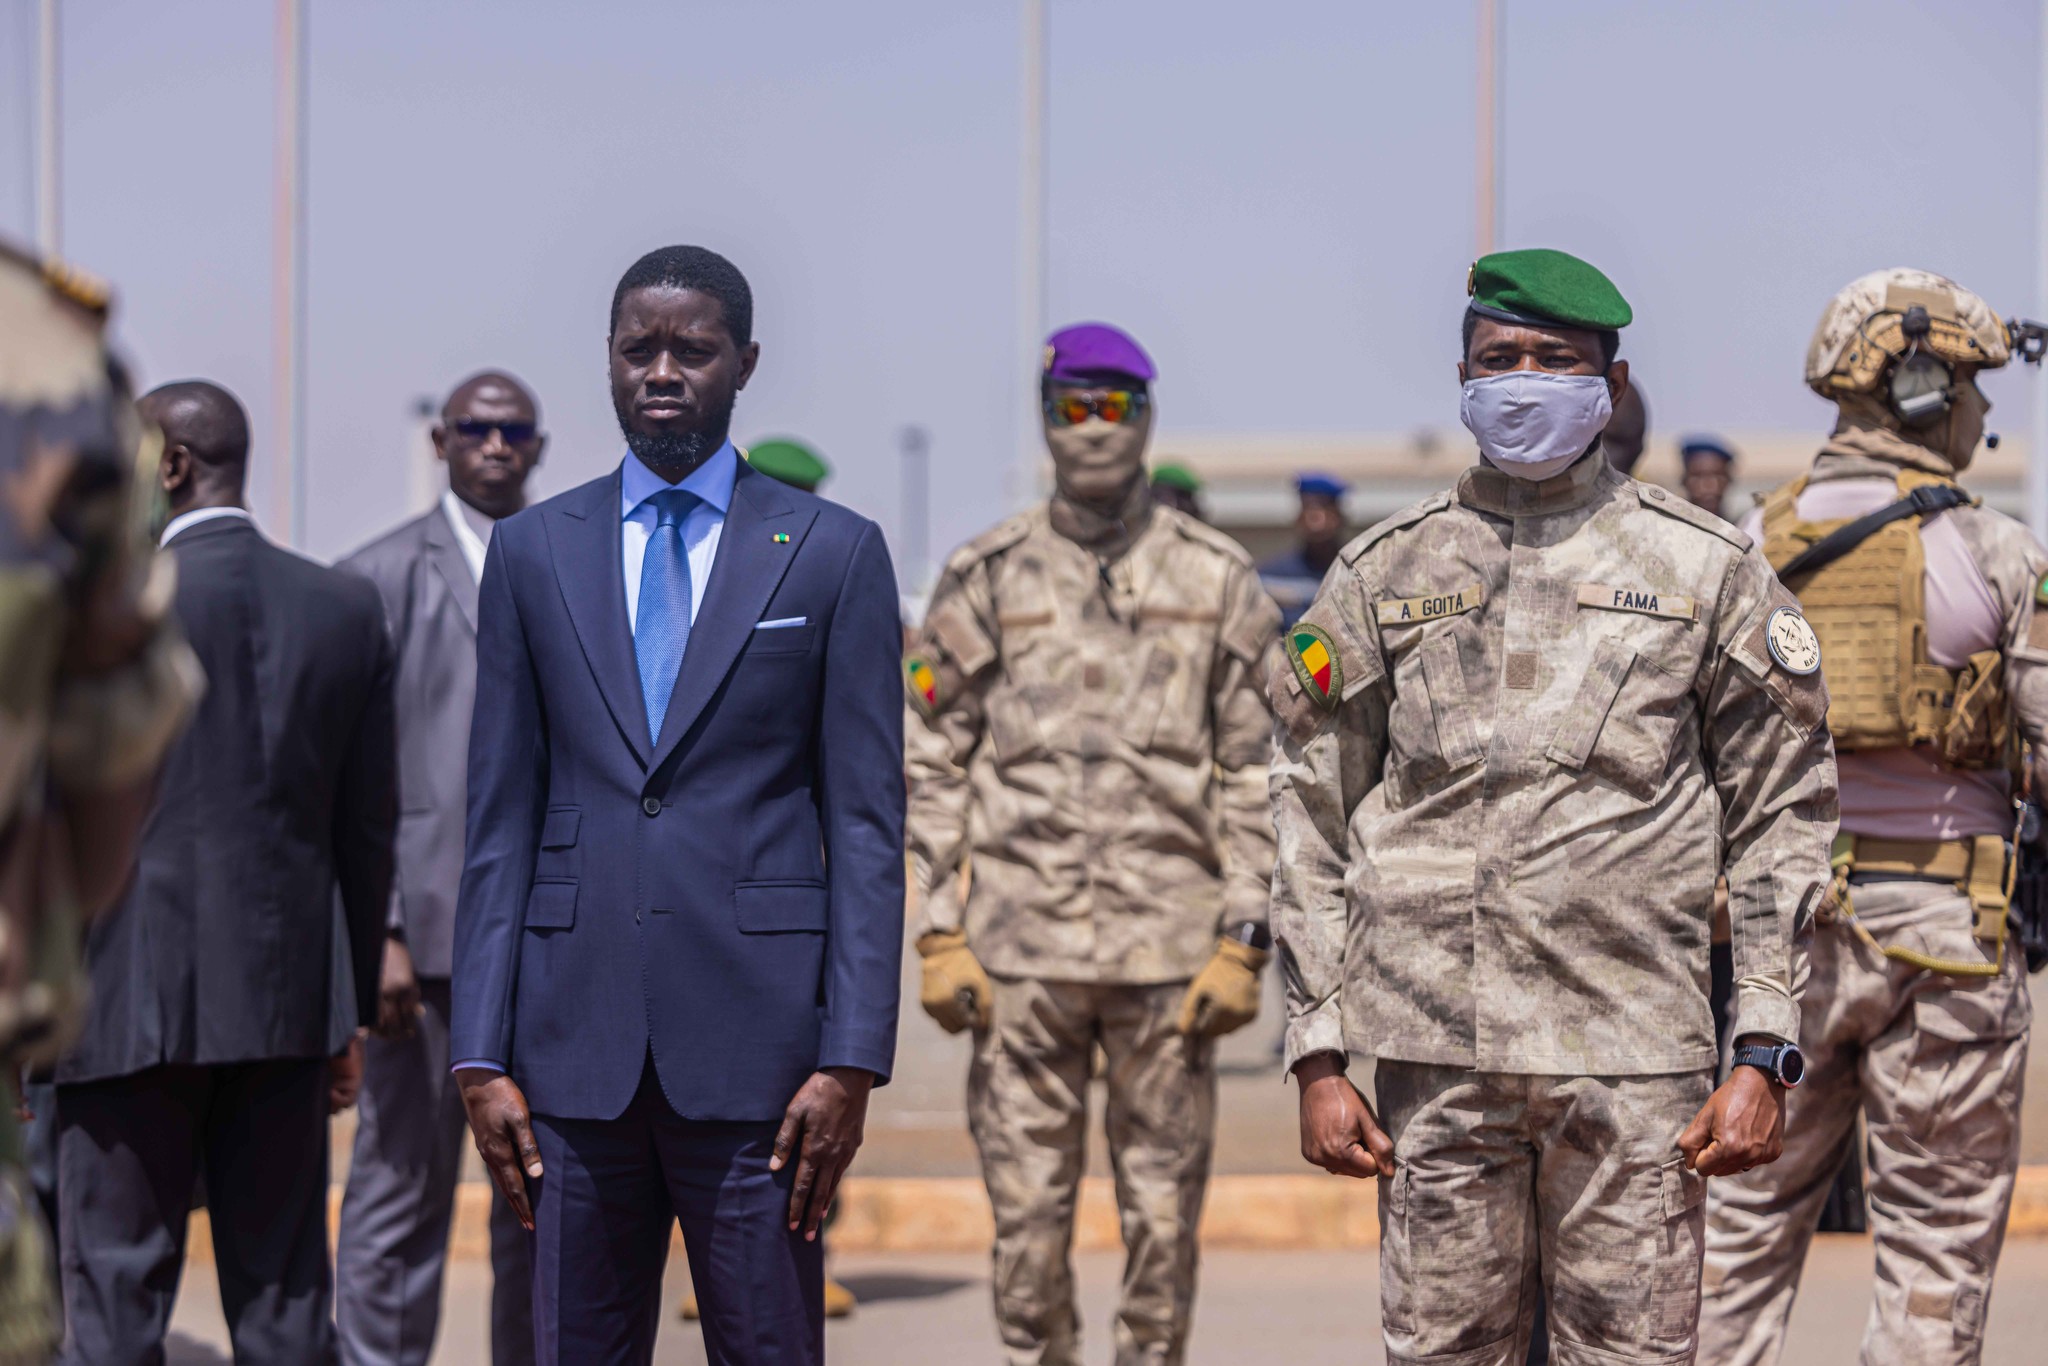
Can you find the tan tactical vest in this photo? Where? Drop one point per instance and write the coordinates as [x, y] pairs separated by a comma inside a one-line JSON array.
[[1869, 609]]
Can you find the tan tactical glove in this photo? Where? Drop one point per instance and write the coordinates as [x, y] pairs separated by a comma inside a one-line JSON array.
[[1225, 993], [956, 992]]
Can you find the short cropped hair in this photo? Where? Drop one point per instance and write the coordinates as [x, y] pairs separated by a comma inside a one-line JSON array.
[[697, 268]]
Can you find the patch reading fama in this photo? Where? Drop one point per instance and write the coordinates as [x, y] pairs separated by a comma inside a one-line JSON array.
[[1792, 642], [1638, 600], [923, 681], [1408, 611], [1314, 656]]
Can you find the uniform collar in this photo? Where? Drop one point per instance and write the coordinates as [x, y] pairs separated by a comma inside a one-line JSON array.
[[1107, 535], [1489, 490]]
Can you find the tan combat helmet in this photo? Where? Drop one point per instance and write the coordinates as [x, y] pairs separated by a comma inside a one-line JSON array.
[[1872, 323]]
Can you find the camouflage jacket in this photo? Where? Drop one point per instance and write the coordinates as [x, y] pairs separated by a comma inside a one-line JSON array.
[[64, 732], [1521, 730], [1092, 733]]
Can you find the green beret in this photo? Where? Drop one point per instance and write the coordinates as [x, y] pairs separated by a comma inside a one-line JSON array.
[[790, 461], [1176, 477], [1546, 288]]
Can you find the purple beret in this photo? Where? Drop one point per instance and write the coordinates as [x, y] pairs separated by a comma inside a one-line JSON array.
[[1087, 352]]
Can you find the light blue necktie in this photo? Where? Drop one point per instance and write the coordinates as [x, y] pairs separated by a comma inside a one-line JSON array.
[[661, 628]]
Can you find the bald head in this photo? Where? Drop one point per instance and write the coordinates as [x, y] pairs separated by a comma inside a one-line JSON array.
[[494, 386], [1628, 429], [206, 443]]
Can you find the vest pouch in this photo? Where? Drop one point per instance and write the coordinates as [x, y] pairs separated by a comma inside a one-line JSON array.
[[1979, 730]]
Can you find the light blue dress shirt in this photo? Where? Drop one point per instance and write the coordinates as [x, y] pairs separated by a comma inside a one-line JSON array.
[[712, 482]]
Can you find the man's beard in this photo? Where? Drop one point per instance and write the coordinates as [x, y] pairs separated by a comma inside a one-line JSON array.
[[675, 454]]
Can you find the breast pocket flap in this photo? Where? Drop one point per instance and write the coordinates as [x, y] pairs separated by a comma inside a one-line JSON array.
[[551, 906], [1580, 728], [781, 907]]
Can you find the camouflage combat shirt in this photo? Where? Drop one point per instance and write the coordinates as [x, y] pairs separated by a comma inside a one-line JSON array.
[[1088, 729], [1521, 729]]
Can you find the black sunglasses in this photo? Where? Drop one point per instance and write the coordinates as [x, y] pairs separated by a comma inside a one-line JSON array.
[[514, 433]]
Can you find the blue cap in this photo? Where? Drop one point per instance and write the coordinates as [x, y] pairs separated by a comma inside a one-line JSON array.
[[1320, 486], [1703, 444]]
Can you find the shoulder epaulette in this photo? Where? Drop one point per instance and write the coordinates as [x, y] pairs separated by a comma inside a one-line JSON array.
[[1407, 516], [1204, 535], [995, 540], [1671, 505]]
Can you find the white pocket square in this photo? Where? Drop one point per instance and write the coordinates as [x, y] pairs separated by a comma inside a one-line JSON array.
[[781, 623]]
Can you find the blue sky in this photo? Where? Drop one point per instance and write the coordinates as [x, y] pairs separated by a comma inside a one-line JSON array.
[[1278, 200]]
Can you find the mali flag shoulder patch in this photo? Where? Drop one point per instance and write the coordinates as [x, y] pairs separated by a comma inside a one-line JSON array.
[[923, 681], [1314, 656]]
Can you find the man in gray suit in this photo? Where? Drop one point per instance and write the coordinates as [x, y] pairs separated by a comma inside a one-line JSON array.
[[408, 1152]]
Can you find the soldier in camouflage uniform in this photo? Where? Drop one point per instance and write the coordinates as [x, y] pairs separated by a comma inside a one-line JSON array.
[[94, 683], [1089, 735], [1916, 1010], [1521, 730]]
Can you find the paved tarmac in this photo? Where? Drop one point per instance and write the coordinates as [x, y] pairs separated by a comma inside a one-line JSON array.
[[1303, 1308]]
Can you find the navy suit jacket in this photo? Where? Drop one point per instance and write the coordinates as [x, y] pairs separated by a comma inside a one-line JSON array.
[[730, 898]]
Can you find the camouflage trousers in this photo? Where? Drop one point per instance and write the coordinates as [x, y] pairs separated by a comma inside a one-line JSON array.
[[1500, 1178], [1934, 1064], [1027, 1104], [28, 1292]]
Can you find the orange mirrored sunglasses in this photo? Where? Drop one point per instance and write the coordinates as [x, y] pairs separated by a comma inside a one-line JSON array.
[[1114, 405]]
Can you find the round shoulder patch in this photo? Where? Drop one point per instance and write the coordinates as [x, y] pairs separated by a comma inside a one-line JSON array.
[[1792, 642], [2041, 591], [1314, 656], [923, 681]]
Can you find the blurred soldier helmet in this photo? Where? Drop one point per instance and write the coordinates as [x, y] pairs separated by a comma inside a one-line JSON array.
[[1871, 323]]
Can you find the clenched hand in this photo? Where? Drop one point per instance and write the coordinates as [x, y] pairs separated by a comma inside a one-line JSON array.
[[955, 990], [398, 993], [1225, 993], [827, 1117], [1742, 1125], [503, 1130], [1338, 1131]]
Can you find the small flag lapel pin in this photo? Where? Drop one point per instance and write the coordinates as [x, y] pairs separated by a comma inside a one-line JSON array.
[[782, 538]]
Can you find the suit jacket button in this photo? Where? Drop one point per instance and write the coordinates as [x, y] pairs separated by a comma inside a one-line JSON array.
[[651, 805]]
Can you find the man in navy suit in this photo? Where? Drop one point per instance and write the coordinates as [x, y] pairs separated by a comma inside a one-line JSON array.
[[680, 924]]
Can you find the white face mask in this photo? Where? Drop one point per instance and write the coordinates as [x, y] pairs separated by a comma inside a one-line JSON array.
[[1531, 423]]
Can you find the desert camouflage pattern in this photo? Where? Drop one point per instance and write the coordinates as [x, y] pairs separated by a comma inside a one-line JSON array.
[[1088, 730], [1859, 331], [1934, 1064], [68, 440], [1498, 849], [1498, 1174], [1027, 1105]]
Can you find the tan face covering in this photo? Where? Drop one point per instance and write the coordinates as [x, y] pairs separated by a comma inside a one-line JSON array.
[[1964, 427], [1095, 463]]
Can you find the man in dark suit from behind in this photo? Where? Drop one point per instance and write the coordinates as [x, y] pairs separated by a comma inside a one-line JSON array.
[[680, 932], [410, 1135], [206, 1048]]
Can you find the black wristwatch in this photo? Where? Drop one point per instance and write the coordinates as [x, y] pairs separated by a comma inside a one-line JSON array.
[[1250, 935], [1783, 1063]]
